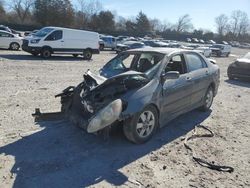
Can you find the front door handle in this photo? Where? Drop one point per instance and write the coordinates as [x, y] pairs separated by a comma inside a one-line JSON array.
[[188, 79]]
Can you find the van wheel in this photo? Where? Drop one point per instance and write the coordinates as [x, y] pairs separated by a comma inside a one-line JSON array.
[[46, 53], [75, 55], [228, 54], [87, 54], [14, 46], [101, 47], [141, 127], [208, 100]]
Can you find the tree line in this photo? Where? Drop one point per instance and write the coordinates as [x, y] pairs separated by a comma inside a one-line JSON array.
[[90, 15]]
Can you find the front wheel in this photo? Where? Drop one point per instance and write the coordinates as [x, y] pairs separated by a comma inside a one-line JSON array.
[[46, 53], [141, 127], [208, 99]]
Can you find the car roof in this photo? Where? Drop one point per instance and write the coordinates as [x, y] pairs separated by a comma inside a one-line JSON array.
[[165, 51]]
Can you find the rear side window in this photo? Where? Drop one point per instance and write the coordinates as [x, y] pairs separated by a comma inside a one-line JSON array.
[[194, 62], [55, 35]]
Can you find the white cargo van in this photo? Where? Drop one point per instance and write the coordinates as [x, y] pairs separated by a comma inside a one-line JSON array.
[[58, 40]]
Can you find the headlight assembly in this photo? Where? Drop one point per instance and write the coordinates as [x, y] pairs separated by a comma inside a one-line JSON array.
[[106, 116], [34, 41]]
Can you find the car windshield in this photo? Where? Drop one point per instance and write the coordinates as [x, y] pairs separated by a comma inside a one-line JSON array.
[[43, 32], [247, 56], [218, 46], [140, 62]]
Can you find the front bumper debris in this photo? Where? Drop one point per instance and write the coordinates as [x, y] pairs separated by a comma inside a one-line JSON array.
[[52, 116]]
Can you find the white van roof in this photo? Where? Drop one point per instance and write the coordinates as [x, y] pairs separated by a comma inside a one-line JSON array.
[[69, 29]]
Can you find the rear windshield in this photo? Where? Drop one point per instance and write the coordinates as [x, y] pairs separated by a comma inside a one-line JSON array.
[[247, 56]]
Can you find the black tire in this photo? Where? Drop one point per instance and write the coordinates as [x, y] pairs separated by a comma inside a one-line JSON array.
[[130, 128], [14, 46], [208, 99], [75, 55], [101, 47], [228, 54], [46, 53], [219, 54], [87, 54], [35, 54]]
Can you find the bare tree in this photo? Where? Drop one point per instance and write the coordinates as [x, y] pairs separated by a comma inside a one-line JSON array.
[[22, 8], [221, 24], [239, 22], [184, 23]]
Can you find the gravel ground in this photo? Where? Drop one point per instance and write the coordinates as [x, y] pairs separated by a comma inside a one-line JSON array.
[[57, 154]]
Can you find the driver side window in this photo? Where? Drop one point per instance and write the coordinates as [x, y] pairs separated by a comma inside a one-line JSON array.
[[55, 35], [177, 63]]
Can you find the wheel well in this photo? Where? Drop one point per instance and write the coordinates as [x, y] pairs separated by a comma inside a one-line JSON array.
[[212, 85], [14, 43], [156, 107], [47, 47], [88, 49]]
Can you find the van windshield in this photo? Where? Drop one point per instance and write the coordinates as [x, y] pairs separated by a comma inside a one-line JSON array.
[[43, 32]]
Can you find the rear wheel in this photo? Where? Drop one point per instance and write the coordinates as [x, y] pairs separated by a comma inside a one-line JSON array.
[[75, 55], [219, 54], [141, 127], [87, 54], [208, 99], [46, 53], [14, 46], [101, 47]]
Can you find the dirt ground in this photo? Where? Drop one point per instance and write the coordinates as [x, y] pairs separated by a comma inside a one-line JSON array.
[[58, 154]]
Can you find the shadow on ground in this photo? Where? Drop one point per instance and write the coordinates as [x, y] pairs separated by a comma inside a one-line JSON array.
[[61, 155], [27, 57], [240, 82]]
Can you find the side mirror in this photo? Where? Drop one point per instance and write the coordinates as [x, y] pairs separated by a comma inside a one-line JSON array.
[[170, 75]]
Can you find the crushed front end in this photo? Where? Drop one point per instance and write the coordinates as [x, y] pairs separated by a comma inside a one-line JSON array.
[[97, 102]]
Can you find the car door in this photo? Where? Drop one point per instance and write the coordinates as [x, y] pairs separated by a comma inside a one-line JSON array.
[[177, 93], [55, 40], [5, 39], [199, 73]]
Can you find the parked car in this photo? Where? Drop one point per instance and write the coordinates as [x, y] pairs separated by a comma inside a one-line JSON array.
[[211, 42], [153, 43], [59, 40], [206, 51], [189, 40], [142, 89], [10, 41], [5, 28], [220, 50], [201, 41], [240, 68], [109, 42], [129, 45], [195, 40]]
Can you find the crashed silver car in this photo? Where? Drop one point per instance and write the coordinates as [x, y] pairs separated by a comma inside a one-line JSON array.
[[240, 68], [142, 89]]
